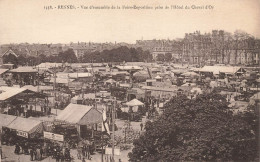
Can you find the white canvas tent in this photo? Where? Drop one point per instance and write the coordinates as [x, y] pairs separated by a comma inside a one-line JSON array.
[[26, 127], [80, 114], [134, 102]]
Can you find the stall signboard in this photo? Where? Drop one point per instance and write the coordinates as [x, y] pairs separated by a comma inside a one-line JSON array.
[[108, 151], [22, 134], [53, 136]]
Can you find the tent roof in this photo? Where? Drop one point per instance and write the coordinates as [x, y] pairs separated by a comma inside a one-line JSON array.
[[256, 96], [80, 75], [78, 97], [49, 65], [3, 71], [6, 88], [90, 95], [221, 69], [165, 89], [158, 77], [30, 87], [24, 124], [10, 93], [24, 69], [6, 119], [134, 102], [110, 81], [73, 113], [190, 74], [141, 73], [188, 85], [41, 87], [61, 80], [126, 85], [129, 67]]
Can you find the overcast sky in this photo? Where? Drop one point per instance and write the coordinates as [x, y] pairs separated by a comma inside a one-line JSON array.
[[27, 21]]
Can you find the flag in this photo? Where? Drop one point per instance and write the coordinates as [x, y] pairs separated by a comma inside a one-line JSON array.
[[105, 128]]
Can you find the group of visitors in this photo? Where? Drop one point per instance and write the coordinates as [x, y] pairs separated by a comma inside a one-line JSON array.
[[36, 152], [57, 152], [84, 152]]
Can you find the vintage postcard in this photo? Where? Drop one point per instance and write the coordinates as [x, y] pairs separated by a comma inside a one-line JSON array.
[[129, 80]]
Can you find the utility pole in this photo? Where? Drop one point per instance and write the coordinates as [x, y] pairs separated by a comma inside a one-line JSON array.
[[182, 54], [102, 159], [38, 87], [54, 88], [113, 130]]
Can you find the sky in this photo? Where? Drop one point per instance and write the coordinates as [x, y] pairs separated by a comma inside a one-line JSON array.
[[27, 21]]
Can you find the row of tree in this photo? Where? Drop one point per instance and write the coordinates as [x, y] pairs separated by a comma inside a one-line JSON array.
[[115, 55]]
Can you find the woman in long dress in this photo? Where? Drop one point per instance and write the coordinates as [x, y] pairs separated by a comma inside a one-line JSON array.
[[38, 154]]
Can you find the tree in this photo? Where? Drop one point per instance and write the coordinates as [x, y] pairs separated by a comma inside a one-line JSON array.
[[42, 58], [160, 57], [168, 57], [67, 56], [119, 54], [240, 37], [201, 129], [22, 60]]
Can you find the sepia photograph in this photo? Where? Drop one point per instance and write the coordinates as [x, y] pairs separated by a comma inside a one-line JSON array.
[[129, 80]]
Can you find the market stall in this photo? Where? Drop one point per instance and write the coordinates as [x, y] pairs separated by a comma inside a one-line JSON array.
[[133, 109], [23, 130], [81, 116], [20, 101]]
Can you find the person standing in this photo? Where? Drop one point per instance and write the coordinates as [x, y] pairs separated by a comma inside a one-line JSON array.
[[79, 150], [38, 152], [41, 152], [45, 109], [57, 156], [42, 109], [34, 153], [1, 156], [63, 154], [8, 109], [141, 125], [17, 149], [88, 152], [84, 150], [31, 154], [26, 148], [31, 110], [22, 146], [25, 111]]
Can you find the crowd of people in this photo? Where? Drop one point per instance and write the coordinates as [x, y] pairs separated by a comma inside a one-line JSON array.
[[84, 152], [38, 152]]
